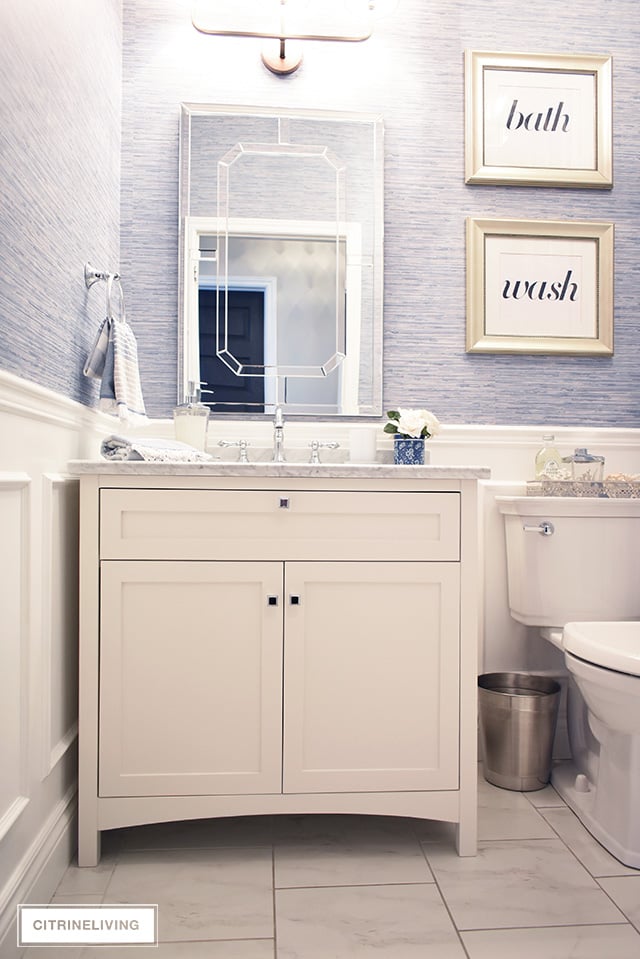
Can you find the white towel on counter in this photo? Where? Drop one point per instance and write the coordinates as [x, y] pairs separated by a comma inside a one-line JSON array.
[[151, 450], [114, 360]]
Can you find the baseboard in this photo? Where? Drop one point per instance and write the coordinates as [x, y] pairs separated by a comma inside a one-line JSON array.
[[38, 874]]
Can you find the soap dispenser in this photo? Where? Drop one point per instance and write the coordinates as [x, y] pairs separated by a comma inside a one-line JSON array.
[[191, 418]]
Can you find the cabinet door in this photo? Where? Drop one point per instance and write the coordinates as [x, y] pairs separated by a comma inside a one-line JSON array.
[[371, 676], [190, 678]]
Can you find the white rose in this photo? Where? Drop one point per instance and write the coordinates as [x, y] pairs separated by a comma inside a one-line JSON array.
[[412, 422], [431, 422]]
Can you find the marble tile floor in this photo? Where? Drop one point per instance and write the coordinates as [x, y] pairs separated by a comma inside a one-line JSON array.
[[349, 887]]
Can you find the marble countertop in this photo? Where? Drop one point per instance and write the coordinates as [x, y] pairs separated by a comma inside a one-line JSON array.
[[286, 470]]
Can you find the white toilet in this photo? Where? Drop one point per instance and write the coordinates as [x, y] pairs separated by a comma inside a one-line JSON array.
[[574, 571]]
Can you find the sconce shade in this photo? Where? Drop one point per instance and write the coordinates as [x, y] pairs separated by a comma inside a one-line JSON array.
[[349, 20]]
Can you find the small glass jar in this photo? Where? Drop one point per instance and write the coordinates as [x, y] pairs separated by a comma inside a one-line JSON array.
[[585, 466]]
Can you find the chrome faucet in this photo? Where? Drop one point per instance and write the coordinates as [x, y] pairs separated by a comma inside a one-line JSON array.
[[316, 446], [243, 444], [278, 437]]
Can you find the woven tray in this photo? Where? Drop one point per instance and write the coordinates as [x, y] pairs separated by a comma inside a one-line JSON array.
[[608, 489]]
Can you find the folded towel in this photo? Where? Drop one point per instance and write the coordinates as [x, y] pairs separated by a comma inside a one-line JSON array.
[[114, 360], [151, 450]]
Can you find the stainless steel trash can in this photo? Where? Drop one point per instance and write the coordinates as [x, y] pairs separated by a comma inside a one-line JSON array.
[[518, 716]]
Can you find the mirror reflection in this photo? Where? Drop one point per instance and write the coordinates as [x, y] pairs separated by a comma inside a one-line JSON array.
[[281, 264]]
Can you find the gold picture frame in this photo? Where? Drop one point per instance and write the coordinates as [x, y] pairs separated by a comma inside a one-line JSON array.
[[539, 286], [538, 119]]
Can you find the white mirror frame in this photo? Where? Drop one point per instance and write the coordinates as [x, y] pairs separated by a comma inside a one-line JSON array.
[[367, 332]]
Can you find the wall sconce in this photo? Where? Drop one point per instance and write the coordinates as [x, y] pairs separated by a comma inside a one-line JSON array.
[[282, 21]]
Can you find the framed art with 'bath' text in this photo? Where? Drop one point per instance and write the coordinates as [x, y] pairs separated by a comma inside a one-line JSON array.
[[538, 120]]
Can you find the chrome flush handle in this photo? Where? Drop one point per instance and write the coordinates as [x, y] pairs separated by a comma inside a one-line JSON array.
[[545, 528]]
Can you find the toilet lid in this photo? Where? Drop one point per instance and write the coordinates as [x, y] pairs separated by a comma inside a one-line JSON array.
[[612, 645]]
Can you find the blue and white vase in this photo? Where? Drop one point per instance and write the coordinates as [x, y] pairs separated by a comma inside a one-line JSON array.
[[408, 452]]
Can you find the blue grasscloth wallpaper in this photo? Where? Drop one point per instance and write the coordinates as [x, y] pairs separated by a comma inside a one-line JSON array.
[[61, 157], [412, 73], [60, 117]]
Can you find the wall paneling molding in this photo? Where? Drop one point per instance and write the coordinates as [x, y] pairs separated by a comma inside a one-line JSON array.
[[59, 617], [15, 501]]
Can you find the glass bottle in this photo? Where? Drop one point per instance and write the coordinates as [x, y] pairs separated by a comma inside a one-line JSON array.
[[548, 460]]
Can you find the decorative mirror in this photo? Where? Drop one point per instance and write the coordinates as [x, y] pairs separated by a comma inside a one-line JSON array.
[[281, 216]]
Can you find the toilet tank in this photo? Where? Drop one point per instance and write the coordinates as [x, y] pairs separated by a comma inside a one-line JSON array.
[[588, 568]]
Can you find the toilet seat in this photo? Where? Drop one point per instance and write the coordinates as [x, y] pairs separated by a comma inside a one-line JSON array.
[[613, 645]]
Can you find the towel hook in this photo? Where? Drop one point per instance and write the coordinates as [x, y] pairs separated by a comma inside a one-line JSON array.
[[91, 276], [110, 278]]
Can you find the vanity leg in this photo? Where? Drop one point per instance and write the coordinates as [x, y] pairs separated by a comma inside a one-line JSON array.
[[88, 846], [466, 836]]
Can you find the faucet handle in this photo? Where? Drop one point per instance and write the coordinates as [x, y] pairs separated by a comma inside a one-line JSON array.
[[243, 444], [316, 446]]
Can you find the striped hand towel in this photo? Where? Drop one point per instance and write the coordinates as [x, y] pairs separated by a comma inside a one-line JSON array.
[[94, 367], [114, 360]]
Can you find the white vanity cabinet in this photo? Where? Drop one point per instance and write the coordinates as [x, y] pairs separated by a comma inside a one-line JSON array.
[[190, 679], [260, 643]]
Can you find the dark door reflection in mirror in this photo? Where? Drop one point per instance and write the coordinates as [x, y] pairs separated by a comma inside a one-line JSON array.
[[247, 336], [293, 226], [245, 326]]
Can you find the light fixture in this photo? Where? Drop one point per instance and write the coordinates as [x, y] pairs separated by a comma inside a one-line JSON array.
[[282, 21]]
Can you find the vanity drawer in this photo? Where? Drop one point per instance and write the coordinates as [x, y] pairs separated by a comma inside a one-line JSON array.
[[287, 524]]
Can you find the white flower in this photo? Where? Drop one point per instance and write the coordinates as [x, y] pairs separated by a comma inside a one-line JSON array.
[[431, 422], [414, 422]]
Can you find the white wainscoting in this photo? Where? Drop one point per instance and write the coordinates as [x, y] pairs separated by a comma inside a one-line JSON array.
[[39, 433]]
